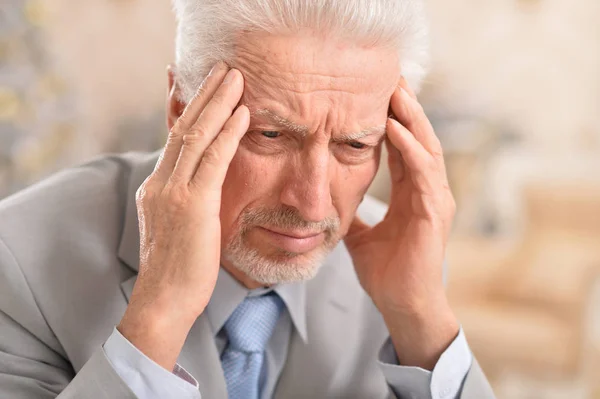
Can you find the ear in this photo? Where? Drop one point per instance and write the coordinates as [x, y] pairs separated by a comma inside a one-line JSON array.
[[174, 107]]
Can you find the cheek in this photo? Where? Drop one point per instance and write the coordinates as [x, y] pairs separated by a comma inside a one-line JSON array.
[[250, 183], [349, 188]]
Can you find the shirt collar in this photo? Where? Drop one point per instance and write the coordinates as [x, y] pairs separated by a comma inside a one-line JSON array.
[[229, 293]]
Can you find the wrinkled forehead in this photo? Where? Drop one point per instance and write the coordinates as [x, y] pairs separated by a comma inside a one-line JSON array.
[[306, 65]]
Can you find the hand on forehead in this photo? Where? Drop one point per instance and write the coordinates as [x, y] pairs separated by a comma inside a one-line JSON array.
[[303, 84]]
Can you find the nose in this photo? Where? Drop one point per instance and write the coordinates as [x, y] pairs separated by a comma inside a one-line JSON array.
[[307, 185]]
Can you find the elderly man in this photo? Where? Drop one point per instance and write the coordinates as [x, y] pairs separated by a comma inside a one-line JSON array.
[[216, 268]]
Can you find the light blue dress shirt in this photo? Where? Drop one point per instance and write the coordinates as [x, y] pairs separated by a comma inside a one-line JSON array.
[[148, 380]]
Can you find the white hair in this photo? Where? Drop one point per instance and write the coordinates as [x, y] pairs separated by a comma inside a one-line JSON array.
[[207, 29]]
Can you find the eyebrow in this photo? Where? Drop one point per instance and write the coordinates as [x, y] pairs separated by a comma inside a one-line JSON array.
[[282, 122], [303, 129]]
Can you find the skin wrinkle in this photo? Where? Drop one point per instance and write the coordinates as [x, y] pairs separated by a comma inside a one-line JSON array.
[[318, 97], [282, 82], [274, 78], [270, 69], [303, 130], [245, 59], [296, 102]]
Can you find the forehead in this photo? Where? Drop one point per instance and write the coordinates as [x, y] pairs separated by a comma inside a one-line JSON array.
[[301, 72]]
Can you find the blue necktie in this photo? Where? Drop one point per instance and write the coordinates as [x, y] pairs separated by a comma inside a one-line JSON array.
[[248, 330]]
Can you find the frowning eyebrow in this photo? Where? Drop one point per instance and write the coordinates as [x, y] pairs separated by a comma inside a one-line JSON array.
[[303, 130], [376, 131], [281, 122]]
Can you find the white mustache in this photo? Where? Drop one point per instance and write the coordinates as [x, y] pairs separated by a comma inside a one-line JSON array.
[[287, 218]]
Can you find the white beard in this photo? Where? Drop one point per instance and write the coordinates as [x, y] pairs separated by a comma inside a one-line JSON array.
[[279, 266], [277, 269]]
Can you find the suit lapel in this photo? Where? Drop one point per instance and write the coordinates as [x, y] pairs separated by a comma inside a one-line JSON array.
[[344, 334], [199, 355], [200, 358], [311, 365]]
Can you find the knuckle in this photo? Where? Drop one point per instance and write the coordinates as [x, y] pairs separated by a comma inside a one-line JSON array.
[[197, 131], [437, 152], [423, 183], [406, 109], [227, 130], [174, 137], [219, 99], [431, 164], [192, 140], [177, 196], [176, 131], [146, 193], [202, 90], [211, 157]]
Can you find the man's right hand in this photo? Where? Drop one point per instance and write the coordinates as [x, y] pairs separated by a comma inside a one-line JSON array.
[[178, 210]]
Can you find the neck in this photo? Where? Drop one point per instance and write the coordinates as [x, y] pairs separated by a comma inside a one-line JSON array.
[[241, 277]]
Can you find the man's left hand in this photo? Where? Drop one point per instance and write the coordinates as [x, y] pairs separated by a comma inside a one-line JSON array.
[[399, 261]]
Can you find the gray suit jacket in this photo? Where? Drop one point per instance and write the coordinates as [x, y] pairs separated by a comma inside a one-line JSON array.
[[69, 250]]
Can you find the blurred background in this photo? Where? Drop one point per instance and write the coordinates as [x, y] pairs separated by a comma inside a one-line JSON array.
[[514, 95]]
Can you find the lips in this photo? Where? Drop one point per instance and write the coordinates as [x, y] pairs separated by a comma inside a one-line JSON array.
[[294, 234], [293, 241]]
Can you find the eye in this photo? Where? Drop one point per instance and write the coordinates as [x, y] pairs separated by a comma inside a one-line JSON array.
[[270, 134], [357, 145]]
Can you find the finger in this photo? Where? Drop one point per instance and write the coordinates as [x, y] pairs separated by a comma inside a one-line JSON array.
[[395, 163], [422, 128], [400, 176], [214, 116], [168, 159], [410, 113], [404, 84], [217, 157], [421, 165]]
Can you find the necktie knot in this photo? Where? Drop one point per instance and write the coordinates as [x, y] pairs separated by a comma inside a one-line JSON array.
[[251, 325]]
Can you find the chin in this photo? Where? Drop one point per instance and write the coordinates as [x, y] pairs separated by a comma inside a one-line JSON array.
[[275, 266]]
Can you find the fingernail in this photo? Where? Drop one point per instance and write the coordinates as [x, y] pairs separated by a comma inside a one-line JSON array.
[[212, 70], [229, 77], [394, 122]]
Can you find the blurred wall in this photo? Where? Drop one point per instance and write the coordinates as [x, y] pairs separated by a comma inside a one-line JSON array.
[[78, 79], [530, 64], [115, 54], [515, 92]]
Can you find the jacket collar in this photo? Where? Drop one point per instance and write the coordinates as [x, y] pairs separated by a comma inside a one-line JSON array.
[[229, 293]]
